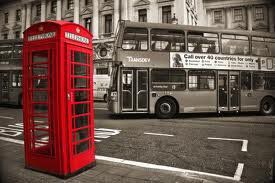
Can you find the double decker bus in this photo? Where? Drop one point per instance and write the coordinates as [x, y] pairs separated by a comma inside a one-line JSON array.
[[168, 69], [11, 71]]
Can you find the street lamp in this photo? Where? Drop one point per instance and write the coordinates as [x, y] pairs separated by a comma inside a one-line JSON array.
[[174, 19]]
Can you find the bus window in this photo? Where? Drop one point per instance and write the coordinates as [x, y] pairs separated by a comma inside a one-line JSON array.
[[167, 40], [258, 81], [201, 80], [6, 51], [270, 81], [235, 45], [168, 79], [135, 39], [245, 80], [203, 42], [16, 80], [263, 46]]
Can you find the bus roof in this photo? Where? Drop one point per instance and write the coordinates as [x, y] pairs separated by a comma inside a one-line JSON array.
[[128, 23]]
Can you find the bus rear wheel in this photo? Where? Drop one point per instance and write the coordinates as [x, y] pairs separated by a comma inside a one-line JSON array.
[[267, 106], [166, 108]]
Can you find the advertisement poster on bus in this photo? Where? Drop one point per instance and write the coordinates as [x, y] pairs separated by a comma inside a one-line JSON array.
[[226, 62]]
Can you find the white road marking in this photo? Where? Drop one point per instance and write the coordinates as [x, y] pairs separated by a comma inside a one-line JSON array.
[[237, 175], [158, 134], [239, 172], [101, 108], [6, 117], [12, 140], [244, 146], [160, 167]]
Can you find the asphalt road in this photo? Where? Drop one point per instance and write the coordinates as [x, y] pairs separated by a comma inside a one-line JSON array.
[[227, 145]]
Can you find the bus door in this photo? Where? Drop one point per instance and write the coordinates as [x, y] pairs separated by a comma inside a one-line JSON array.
[[134, 86], [228, 91], [4, 87]]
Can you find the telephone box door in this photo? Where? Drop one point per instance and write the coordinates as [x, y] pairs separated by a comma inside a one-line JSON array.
[[80, 105], [39, 100]]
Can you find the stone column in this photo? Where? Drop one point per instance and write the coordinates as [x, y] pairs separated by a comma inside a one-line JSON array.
[[228, 18], [249, 18], [95, 19], [116, 12], [28, 15], [58, 10], [124, 10], [23, 19], [153, 12], [76, 11], [271, 10], [131, 11], [180, 11], [43, 10]]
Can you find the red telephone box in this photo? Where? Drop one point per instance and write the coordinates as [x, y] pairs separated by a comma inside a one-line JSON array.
[[58, 98]]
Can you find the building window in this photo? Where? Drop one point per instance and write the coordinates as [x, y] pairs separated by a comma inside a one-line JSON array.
[[218, 16], [53, 7], [6, 18], [142, 15], [70, 4], [108, 24], [17, 34], [238, 14], [18, 15], [38, 10], [166, 14], [87, 23], [88, 2], [5, 36], [100, 71], [259, 13]]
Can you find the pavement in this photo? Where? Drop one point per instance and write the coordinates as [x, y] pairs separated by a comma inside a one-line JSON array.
[[12, 171]]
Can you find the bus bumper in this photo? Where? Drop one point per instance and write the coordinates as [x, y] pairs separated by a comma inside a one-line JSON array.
[[113, 107]]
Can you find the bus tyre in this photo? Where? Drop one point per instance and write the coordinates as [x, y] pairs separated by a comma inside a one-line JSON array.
[[105, 98], [20, 100], [166, 108], [267, 106]]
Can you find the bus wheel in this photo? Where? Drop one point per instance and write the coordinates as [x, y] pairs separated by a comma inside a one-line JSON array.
[[166, 108], [267, 106], [20, 100], [105, 98]]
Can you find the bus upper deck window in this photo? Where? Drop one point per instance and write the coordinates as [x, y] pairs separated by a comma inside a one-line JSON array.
[[199, 42], [235, 44], [135, 39], [167, 40], [263, 46]]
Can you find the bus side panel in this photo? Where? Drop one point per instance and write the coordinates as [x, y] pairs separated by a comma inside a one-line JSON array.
[[249, 100], [198, 101]]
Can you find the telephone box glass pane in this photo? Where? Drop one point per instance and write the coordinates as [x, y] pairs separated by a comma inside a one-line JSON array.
[[80, 57], [80, 109], [81, 147], [81, 121], [80, 83], [81, 96], [41, 56]]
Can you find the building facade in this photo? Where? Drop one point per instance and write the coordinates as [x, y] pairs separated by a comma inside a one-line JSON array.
[[252, 15], [99, 16]]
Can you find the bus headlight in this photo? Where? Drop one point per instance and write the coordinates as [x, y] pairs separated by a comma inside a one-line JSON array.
[[113, 96]]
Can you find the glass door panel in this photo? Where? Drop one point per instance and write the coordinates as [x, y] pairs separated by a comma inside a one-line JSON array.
[[142, 90], [127, 90], [223, 91], [40, 92]]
